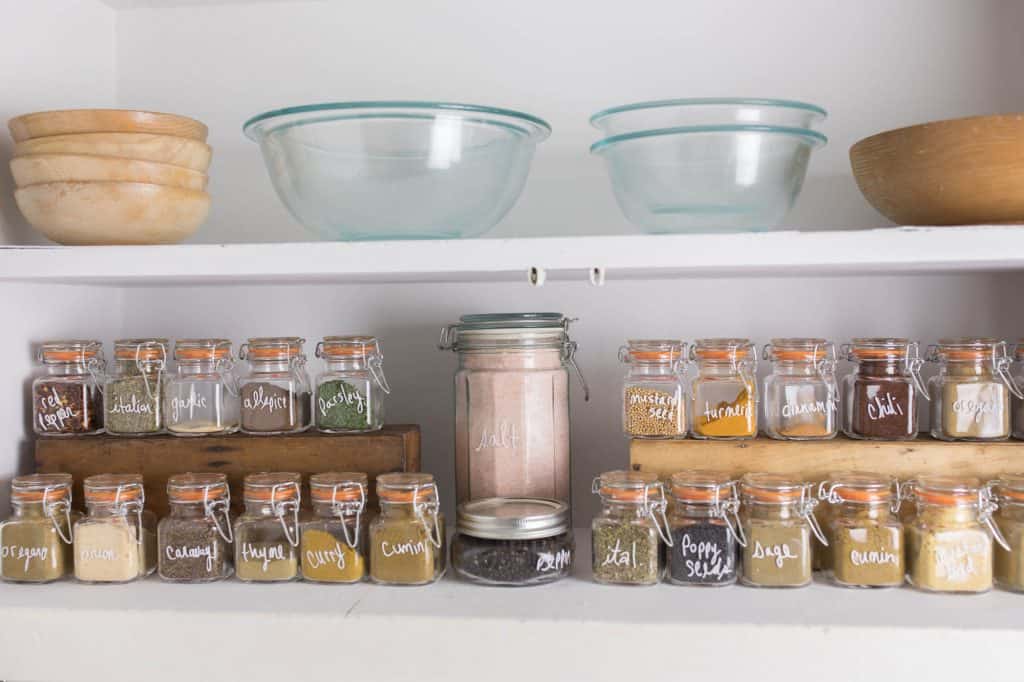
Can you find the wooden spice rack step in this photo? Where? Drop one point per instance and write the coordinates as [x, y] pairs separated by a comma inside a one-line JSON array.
[[394, 448], [814, 460]]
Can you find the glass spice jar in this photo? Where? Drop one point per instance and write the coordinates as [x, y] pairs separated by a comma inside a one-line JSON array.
[[971, 393], [67, 400], [267, 532], [777, 517], [36, 541], [865, 535], [512, 405], [724, 392], [116, 541], [275, 391], [705, 529], [350, 391], [881, 393], [407, 539], [627, 535], [201, 398], [133, 389], [513, 541], [194, 541], [334, 541], [1008, 564], [653, 404], [949, 538], [801, 396]]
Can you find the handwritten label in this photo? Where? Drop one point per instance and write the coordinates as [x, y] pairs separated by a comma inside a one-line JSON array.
[[97, 554], [342, 397], [389, 549], [504, 437], [975, 409], [796, 409], [259, 400], [326, 557], [553, 561], [26, 554], [617, 556], [659, 405], [884, 406], [956, 563], [873, 557], [193, 552], [266, 554], [51, 412], [778, 553], [192, 402], [704, 559], [712, 414], [133, 406]]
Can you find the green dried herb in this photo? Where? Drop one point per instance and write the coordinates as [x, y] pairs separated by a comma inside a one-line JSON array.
[[132, 404], [339, 405], [626, 552]]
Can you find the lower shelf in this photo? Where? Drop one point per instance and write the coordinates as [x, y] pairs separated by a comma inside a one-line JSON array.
[[572, 630]]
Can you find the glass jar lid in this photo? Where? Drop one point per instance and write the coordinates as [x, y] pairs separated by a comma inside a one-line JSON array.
[[702, 487], [952, 491], [333, 488], [1009, 488], [272, 348], [141, 350], [799, 350], [407, 487], [859, 488], [348, 347], [878, 348], [653, 351], [272, 487], [202, 349], [637, 487], [723, 350], [41, 488], [114, 489], [500, 518], [191, 487], [772, 489], [76, 350], [506, 330], [967, 349]]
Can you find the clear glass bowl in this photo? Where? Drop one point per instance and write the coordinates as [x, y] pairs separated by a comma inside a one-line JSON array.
[[708, 178], [397, 170], [669, 113]]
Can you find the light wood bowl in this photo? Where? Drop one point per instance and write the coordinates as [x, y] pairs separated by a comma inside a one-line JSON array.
[[92, 213], [963, 171], [72, 121], [37, 169], [178, 151]]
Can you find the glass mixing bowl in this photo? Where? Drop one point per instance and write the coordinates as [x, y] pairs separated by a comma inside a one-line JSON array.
[[668, 113], [708, 178], [397, 170]]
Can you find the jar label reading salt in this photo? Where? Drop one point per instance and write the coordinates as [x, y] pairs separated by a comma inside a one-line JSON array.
[[502, 436]]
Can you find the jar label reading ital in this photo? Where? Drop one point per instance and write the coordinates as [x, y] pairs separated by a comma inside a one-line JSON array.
[[625, 553]]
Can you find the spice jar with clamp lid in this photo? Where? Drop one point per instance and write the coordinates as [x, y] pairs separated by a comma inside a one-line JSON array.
[[724, 392], [67, 399], [334, 540], [1016, 402], [275, 390], [866, 536], [194, 541], [36, 542], [132, 394], [513, 541], [1008, 566], [627, 535], [705, 529], [267, 532], [350, 391], [407, 539], [777, 517], [653, 400], [116, 541], [201, 397], [881, 393], [970, 395], [512, 405], [801, 396]]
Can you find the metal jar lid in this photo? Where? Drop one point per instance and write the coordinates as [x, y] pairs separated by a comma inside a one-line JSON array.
[[513, 518]]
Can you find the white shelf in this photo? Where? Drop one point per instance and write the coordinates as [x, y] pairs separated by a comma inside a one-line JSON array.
[[887, 250], [571, 630]]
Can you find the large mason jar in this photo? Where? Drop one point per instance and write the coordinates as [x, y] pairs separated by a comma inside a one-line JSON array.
[[512, 405]]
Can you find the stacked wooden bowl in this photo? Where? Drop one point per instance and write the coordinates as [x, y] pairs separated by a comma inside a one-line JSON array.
[[106, 176]]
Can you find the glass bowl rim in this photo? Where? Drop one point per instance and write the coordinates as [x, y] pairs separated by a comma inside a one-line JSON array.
[[816, 138], [709, 101]]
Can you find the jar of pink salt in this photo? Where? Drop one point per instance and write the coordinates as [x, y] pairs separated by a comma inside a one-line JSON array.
[[512, 405]]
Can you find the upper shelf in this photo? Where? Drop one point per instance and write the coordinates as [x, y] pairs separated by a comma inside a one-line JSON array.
[[886, 250]]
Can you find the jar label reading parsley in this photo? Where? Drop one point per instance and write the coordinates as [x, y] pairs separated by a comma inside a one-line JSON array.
[[340, 405]]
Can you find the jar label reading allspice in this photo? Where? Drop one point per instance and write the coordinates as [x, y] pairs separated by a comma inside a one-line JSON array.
[[267, 407], [650, 412]]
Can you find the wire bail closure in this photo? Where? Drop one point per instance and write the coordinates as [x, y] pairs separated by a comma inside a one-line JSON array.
[[52, 509], [281, 508], [144, 365], [986, 507], [136, 506], [223, 505], [806, 509], [431, 507], [349, 508]]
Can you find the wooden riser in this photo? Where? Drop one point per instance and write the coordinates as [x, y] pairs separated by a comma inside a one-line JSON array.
[[394, 448], [814, 460]]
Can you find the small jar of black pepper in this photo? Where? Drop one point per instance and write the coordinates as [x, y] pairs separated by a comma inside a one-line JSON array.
[[513, 541], [194, 541], [67, 400], [275, 392], [628, 534], [133, 392], [705, 529]]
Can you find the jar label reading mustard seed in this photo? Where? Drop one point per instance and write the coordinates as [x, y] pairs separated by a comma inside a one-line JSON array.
[[650, 412]]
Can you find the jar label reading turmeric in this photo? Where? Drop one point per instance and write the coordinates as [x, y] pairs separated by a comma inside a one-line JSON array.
[[735, 418]]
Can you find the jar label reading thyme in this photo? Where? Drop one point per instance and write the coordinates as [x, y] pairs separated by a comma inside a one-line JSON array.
[[340, 405]]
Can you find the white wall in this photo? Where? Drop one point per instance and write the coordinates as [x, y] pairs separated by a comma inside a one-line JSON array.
[[54, 54], [874, 64]]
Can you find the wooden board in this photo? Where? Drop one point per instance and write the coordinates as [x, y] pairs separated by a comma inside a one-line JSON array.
[[814, 460], [394, 448]]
